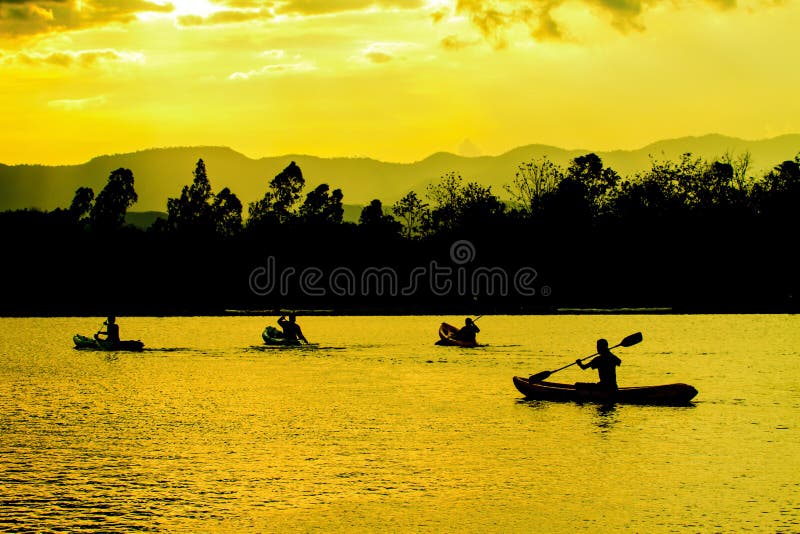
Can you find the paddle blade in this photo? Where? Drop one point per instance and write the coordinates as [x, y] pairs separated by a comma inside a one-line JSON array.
[[632, 339], [538, 377]]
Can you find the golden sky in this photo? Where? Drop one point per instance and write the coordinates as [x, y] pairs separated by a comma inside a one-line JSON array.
[[391, 79]]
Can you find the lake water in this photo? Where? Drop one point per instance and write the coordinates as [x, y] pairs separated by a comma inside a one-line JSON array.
[[377, 429]]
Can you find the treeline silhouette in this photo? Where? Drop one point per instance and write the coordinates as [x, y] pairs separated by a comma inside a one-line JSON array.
[[689, 235]]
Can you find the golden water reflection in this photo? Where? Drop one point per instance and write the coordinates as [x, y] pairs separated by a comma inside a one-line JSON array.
[[378, 429]]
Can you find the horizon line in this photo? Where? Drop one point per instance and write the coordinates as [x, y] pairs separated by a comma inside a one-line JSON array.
[[410, 162]]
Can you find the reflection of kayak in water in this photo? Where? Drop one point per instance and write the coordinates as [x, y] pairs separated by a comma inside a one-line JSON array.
[[447, 337], [89, 343], [273, 336]]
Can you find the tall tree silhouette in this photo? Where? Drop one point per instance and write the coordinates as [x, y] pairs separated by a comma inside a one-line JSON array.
[[192, 210], [277, 206], [532, 182], [581, 195], [227, 213], [445, 197], [660, 191], [322, 206], [111, 205], [456, 205], [413, 213], [81, 204], [199, 211], [741, 167], [479, 206], [587, 173], [778, 194], [372, 219], [704, 185]]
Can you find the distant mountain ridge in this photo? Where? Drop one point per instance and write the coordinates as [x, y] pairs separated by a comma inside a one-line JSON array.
[[160, 173]]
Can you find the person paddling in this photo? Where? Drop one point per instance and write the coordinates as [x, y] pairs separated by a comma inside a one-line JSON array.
[[291, 330], [605, 364], [468, 331], [111, 332]]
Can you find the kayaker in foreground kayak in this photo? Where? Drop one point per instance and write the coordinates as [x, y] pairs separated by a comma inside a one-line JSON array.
[[605, 364], [467, 332], [291, 330], [111, 332]]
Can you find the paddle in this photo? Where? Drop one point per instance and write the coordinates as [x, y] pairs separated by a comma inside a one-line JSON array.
[[100, 330], [632, 339]]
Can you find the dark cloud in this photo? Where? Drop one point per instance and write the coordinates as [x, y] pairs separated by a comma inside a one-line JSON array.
[[385, 52], [30, 17], [453, 42], [730, 4], [376, 56], [438, 15], [546, 29], [488, 18], [493, 17]]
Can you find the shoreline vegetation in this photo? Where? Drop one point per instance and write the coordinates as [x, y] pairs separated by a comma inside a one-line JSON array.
[[686, 236], [381, 312]]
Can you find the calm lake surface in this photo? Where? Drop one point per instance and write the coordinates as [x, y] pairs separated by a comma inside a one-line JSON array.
[[376, 429]]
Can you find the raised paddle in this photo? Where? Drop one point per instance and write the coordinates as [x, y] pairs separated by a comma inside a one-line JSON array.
[[632, 339], [100, 330]]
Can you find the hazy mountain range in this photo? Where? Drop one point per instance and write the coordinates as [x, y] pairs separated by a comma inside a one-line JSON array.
[[160, 173]]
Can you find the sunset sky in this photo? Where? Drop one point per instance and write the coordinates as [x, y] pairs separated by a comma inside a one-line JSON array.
[[390, 79]]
